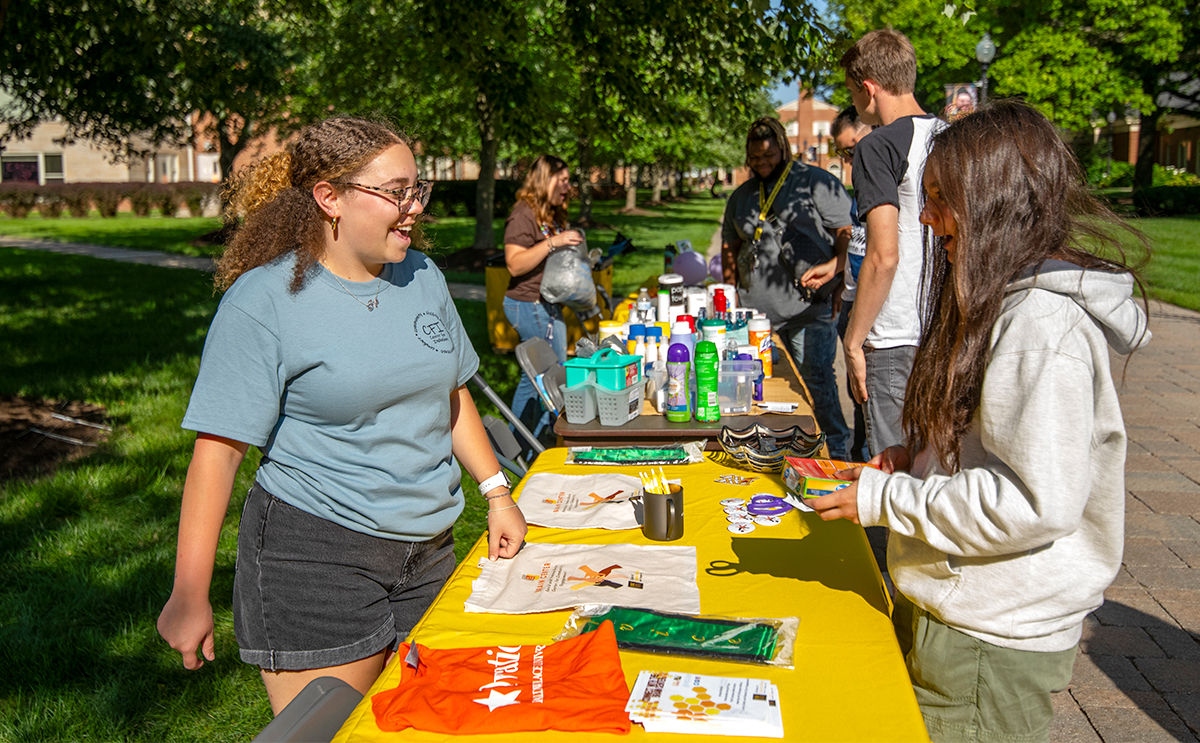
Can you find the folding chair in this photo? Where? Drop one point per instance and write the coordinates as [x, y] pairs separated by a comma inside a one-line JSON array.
[[505, 446], [537, 359], [507, 412], [316, 714]]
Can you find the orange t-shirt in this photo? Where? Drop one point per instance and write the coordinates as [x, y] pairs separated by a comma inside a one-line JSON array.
[[573, 685]]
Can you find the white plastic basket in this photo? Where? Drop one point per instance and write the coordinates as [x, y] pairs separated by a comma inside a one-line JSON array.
[[618, 408], [579, 400]]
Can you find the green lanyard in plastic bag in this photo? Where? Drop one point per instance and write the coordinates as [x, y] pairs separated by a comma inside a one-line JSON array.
[[679, 634]]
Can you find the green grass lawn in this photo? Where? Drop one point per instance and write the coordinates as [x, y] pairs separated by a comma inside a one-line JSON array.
[[695, 219], [87, 553], [1173, 274], [170, 235]]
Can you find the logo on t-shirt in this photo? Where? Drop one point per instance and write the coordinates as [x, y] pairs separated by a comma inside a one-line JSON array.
[[432, 332]]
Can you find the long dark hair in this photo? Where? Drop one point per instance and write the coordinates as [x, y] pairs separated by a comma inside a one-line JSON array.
[[1018, 198]]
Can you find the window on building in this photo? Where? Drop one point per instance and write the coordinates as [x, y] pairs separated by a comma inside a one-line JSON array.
[[166, 168], [821, 128], [22, 168], [1183, 156], [52, 172], [443, 169], [793, 128], [208, 167]]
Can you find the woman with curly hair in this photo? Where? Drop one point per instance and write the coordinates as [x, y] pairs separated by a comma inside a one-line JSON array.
[[1006, 507], [536, 227], [336, 351]]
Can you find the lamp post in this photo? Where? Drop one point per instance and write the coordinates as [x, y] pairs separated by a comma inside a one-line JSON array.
[[985, 52]]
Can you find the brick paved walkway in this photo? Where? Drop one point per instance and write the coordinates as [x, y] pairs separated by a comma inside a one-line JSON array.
[[1137, 677]]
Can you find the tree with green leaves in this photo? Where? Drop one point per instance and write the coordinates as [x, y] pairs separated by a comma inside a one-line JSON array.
[[1075, 60], [128, 74]]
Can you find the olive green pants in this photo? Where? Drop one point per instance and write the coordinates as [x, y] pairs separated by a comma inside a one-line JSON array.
[[971, 690]]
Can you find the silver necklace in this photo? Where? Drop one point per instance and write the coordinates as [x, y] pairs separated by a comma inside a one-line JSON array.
[[370, 304]]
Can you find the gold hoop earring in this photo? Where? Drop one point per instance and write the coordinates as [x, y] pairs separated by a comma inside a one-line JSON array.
[[334, 222]]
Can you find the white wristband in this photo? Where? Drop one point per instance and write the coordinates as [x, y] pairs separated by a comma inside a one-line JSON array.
[[497, 480]]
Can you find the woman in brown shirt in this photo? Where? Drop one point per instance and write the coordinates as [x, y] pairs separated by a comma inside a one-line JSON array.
[[536, 227]]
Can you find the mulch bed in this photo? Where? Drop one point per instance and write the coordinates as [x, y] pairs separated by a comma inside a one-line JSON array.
[[36, 436]]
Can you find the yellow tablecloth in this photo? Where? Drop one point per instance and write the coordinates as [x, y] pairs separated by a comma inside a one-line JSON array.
[[849, 681]]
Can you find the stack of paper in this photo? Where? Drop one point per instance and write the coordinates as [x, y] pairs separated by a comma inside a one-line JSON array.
[[671, 702]]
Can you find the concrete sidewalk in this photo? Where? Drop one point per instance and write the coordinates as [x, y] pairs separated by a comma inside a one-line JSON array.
[[1137, 676]]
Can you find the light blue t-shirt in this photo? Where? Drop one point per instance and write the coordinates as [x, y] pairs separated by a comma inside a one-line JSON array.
[[350, 407]]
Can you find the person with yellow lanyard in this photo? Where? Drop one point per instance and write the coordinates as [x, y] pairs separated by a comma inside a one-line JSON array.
[[783, 244]]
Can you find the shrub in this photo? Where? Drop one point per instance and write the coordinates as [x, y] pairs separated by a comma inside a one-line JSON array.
[[18, 198], [52, 205], [166, 199], [77, 198], [196, 195], [457, 198], [140, 198], [1121, 176], [1165, 201], [1174, 177], [107, 197]]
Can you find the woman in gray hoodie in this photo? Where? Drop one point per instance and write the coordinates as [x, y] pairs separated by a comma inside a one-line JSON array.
[[1006, 506]]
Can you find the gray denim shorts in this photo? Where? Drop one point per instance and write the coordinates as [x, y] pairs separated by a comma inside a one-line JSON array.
[[309, 593], [888, 370]]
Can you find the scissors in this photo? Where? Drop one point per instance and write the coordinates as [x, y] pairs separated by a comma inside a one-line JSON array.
[[768, 505]]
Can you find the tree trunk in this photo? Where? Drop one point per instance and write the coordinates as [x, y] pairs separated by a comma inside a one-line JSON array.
[[1143, 172], [485, 187], [585, 180], [231, 145], [631, 185], [672, 184], [656, 183]]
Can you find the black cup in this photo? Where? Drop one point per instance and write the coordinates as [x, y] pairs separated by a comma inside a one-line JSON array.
[[662, 514]]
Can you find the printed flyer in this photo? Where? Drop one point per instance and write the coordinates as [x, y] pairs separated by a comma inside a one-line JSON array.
[[600, 501], [672, 702], [548, 577]]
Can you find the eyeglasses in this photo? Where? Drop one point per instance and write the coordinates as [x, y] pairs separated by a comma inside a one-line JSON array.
[[846, 153], [405, 197]]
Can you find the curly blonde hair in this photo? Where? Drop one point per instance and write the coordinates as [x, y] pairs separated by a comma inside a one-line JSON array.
[[270, 202]]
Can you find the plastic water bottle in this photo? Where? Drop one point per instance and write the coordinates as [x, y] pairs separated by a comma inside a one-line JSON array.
[[679, 397], [708, 406], [643, 305]]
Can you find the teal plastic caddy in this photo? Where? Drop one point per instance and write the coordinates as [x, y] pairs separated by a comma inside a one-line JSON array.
[[614, 371]]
